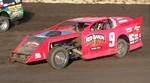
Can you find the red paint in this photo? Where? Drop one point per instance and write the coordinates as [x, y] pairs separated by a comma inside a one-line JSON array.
[[106, 43]]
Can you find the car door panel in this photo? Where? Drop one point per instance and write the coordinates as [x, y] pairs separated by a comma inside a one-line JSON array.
[[98, 43]]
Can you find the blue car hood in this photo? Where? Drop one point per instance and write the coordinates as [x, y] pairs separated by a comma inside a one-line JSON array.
[[52, 33]]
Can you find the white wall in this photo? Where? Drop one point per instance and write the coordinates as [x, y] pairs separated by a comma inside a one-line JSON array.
[[93, 1]]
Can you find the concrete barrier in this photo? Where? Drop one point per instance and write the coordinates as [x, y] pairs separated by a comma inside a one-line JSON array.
[[92, 1]]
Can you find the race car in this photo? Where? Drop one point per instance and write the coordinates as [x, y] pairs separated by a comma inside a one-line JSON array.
[[84, 37], [10, 11]]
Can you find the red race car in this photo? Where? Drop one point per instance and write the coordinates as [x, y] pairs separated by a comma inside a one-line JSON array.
[[85, 37]]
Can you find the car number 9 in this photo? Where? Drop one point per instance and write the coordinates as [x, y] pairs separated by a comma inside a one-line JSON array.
[[111, 39]]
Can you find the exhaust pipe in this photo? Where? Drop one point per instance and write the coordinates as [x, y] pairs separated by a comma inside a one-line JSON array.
[[77, 51]]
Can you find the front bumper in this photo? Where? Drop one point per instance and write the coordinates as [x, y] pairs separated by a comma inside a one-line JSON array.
[[18, 57]]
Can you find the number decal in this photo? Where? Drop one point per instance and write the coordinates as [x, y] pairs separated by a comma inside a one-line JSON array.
[[111, 39], [133, 38]]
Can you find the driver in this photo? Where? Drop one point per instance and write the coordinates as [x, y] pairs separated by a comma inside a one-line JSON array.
[[100, 26], [97, 26]]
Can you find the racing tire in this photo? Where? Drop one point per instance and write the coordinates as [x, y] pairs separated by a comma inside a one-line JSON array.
[[58, 58], [4, 23], [122, 48]]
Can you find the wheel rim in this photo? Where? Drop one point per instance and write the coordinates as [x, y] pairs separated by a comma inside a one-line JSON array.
[[60, 59], [121, 48], [3, 25]]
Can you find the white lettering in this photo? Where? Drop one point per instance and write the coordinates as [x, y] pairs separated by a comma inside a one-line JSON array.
[[94, 37]]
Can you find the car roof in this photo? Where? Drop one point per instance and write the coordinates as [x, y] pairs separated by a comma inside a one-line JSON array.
[[87, 19]]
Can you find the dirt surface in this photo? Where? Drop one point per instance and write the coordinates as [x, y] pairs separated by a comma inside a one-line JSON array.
[[134, 68]]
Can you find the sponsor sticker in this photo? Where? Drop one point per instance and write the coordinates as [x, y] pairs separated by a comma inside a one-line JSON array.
[[95, 38], [129, 29], [96, 48], [137, 28], [37, 55]]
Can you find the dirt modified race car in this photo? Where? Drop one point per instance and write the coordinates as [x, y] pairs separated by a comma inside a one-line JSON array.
[[85, 37], [10, 10]]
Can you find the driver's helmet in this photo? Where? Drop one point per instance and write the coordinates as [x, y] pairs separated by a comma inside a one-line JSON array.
[[100, 26]]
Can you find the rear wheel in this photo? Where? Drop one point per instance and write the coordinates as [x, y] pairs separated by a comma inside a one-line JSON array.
[[4, 23], [122, 48], [58, 58]]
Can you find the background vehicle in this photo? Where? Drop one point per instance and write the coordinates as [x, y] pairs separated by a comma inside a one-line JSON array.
[[85, 37], [10, 10]]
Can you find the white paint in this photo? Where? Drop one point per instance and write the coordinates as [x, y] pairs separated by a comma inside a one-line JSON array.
[[137, 27], [111, 39], [129, 29], [94, 37], [113, 22], [133, 38], [93, 1], [37, 55]]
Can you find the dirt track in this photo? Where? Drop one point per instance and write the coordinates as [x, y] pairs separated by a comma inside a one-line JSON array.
[[134, 68]]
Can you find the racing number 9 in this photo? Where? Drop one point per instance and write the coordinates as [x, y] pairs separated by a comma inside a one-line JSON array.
[[111, 39]]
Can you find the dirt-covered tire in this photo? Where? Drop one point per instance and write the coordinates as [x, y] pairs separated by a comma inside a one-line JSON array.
[[4, 23], [58, 58], [122, 48]]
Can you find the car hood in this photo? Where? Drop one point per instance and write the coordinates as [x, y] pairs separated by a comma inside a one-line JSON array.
[[52, 33], [31, 43]]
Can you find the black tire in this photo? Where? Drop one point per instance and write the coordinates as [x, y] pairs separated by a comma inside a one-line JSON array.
[[122, 48], [4, 23], [58, 58]]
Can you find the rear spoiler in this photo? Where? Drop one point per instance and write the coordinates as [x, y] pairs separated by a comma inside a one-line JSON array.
[[138, 20]]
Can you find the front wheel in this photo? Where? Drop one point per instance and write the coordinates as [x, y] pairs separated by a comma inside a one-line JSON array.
[[122, 48], [58, 58], [4, 23]]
